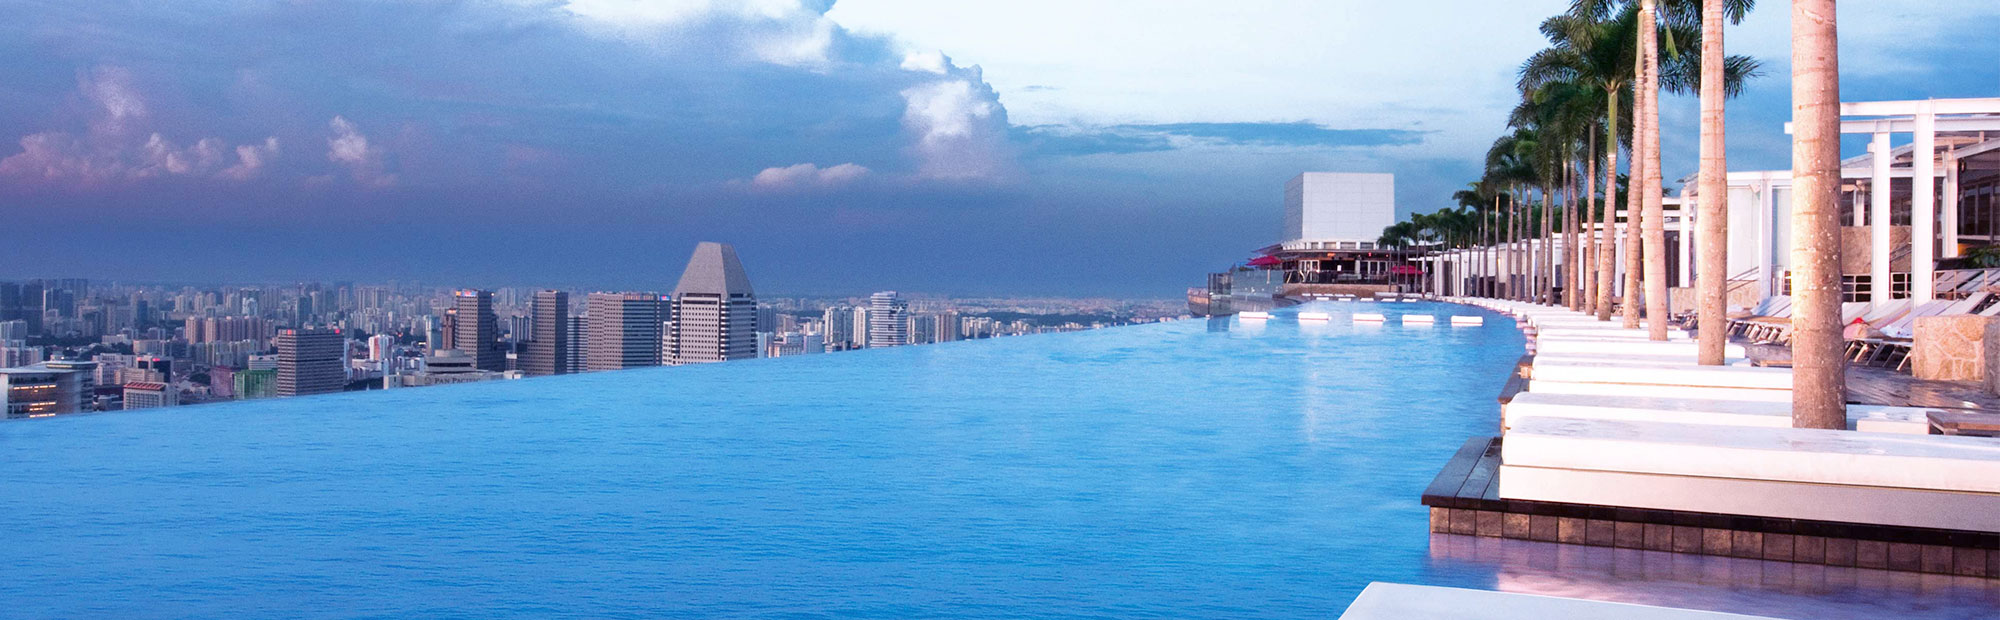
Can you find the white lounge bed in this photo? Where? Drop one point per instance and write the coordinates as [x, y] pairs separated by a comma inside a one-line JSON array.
[[1931, 481], [1765, 413], [1681, 374]]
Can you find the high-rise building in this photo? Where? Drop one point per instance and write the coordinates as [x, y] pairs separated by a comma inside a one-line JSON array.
[[837, 326], [380, 346], [477, 333], [310, 362], [624, 331], [887, 326], [10, 302], [30, 305], [48, 388], [922, 328], [161, 365], [767, 319], [947, 326], [548, 351], [148, 395], [256, 384], [574, 356], [15, 353], [713, 311], [449, 324]]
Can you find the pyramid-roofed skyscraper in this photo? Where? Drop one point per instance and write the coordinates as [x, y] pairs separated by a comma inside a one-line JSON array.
[[713, 311]]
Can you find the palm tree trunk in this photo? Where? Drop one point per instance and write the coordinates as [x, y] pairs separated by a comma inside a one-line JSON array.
[[1523, 274], [1513, 259], [1819, 371], [1712, 194], [1588, 263], [1572, 269], [1548, 237], [1635, 195], [1655, 223], [1607, 247]]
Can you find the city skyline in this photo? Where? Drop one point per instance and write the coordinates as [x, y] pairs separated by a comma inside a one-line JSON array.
[[858, 145]]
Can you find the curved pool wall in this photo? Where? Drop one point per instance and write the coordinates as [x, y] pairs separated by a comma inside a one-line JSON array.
[[1203, 468]]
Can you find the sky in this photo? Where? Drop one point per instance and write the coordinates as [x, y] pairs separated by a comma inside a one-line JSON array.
[[1030, 147]]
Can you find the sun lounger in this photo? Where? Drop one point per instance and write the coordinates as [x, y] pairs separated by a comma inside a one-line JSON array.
[[1927, 481], [1764, 413]]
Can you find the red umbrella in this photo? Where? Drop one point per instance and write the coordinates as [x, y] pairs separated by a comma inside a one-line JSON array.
[[1265, 261]]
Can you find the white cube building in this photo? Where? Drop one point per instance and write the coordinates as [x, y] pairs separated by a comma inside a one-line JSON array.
[[1338, 210]]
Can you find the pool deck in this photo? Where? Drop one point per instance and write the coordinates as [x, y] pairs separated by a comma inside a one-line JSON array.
[[1877, 496]]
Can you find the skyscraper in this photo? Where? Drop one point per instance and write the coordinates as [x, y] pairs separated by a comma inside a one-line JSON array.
[[859, 328], [577, 338], [887, 326], [310, 361], [476, 332], [713, 310], [624, 331], [838, 324], [947, 326], [548, 351], [10, 301]]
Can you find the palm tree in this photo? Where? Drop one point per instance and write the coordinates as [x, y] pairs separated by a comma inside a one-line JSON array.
[[1591, 48], [1595, 44], [1819, 371], [1560, 114], [1712, 188], [1476, 198], [1510, 162], [1652, 223]]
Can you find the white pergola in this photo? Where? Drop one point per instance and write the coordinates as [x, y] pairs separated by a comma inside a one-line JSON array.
[[1923, 119]]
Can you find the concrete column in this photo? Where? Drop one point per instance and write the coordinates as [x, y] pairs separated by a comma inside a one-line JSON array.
[[1950, 204], [1766, 253], [1687, 232], [1878, 219], [1923, 207], [1860, 208]]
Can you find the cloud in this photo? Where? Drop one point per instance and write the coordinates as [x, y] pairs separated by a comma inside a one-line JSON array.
[[349, 148], [807, 175], [1063, 140], [957, 123], [781, 32], [117, 146], [250, 159]]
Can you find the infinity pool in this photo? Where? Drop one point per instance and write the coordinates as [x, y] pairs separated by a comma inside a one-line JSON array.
[[1218, 469]]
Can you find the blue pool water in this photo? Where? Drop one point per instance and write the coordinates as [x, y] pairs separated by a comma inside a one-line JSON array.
[[1193, 469]]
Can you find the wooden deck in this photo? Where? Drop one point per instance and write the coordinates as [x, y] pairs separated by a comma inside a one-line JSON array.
[[1882, 386]]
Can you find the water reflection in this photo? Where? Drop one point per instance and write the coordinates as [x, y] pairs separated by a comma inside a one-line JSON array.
[[1777, 589]]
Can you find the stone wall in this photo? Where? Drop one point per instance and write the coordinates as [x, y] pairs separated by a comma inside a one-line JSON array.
[[1743, 294], [1953, 348], [1856, 246]]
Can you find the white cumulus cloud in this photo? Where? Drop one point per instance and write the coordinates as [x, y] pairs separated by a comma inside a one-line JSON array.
[[792, 33], [959, 126], [807, 175], [350, 148], [116, 144]]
